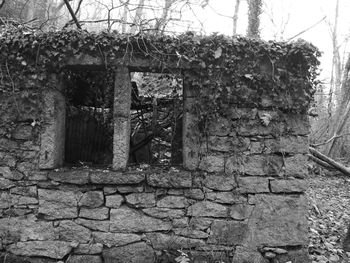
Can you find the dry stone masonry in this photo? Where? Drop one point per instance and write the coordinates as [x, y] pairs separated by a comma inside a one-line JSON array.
[[238, 198]]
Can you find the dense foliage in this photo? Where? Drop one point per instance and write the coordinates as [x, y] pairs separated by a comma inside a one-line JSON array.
[[225, 71]]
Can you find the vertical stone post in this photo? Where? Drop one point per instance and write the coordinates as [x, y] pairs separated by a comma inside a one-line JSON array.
[[191, 144], [54, 118], [121, 116]]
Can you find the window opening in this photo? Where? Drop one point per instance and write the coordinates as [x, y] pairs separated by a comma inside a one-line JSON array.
[[89, 117], [156, 119]]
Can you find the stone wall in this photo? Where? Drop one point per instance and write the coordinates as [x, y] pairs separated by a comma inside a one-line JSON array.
[[244, 203]]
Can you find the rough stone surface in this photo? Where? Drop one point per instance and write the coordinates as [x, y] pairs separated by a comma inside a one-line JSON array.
[[212, 163], [89, 249], [100, 213], [50, 249], [279, 220], [125, 219], [172, 179], [6, 184], [115, 239], [141, 199], [240, 211], [288, 186], [94, 225], [12, 175], [168, 241], [253, 185], [57, 204], [133, 253], [206, 208], [71, 231], [108, 177], [92, 199], [226, 197], [196, 194], [248, 255], [220, 182], [84, 258], [296, 165], [114, 201], [222, 232], [192, 233], [70, 176], [173, 202], [200, 223], [159, 212]]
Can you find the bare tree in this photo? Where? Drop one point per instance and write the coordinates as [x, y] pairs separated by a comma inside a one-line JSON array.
[[235, 17], [254, 12]]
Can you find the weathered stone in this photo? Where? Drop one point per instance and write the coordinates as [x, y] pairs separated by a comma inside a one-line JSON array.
[[295, 256], [89, 249], [130, 189], [71, 231], [109, 190], [241, 211], [253, 185], [173, 202], [192, 233], [255, 127], [12, 175], [24, 200], [167, 241], [70, 176], [109, 177], [94, 225], [57, 204], [7, 160], [211, 256], [38, 176], [180, 222], [115, 239], [133, 253], [220, 182], [25, 229], [164, 212], [6, 200], [296, 165], [220, 127], [125, 219], [6, 184], [212, 163], [222, 232], [200, 223], [288, 186], [196, 194], [242, 113], [141, 199], [100, 213], [174, 191], [289, 144], [114, 201], [84, 258], [26, 167], [262, 165], [278, 220], [22, 132], [92, 199], [297, 124], [51, 249], [207, 209], [171, 179], [25, 190], [226, 197], [248, 255]]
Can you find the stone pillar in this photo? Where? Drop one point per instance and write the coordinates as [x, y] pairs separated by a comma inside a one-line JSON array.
[[54, 117], [191, 143], [122, 103]]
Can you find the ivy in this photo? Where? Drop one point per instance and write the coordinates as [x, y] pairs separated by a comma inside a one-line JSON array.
[[225, 71]]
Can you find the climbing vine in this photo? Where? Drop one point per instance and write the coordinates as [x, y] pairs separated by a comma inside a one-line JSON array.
[[224, 71]]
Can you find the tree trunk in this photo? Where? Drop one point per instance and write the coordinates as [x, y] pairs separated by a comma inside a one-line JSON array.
[[138, 16], [235, 17], [254, 11]]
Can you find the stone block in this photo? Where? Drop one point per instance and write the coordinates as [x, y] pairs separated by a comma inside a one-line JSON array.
[[109, 177], [255, 128], [71, 231], [242, 113], [220, 127], [141, 199], [196, 194], [23, 132], [211, 163], [180, 179], [248, 255], [222, 232], [6, 184], [173, 202], [133, 253], [25, 190], [130, 189], [225, 197], [114, 201], [191, 233], [297, 124], [180, 222], [296, 166], [162, 241], [84, 258], [56, 204], [121, 142], [71, 176], [200, 223], [241, 211], [278, 220], [125, 219], [288, 186], [102, 226], [220, 182], [50, 249], [100, 213], [163, 213], [92, 199], [89, 249], [253, 184], [287, 145], [207, 209], [115, 239], [11, 175]]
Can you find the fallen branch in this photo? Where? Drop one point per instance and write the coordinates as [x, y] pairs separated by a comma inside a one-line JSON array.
[[320, 162], [345, 170], [329, 140]]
